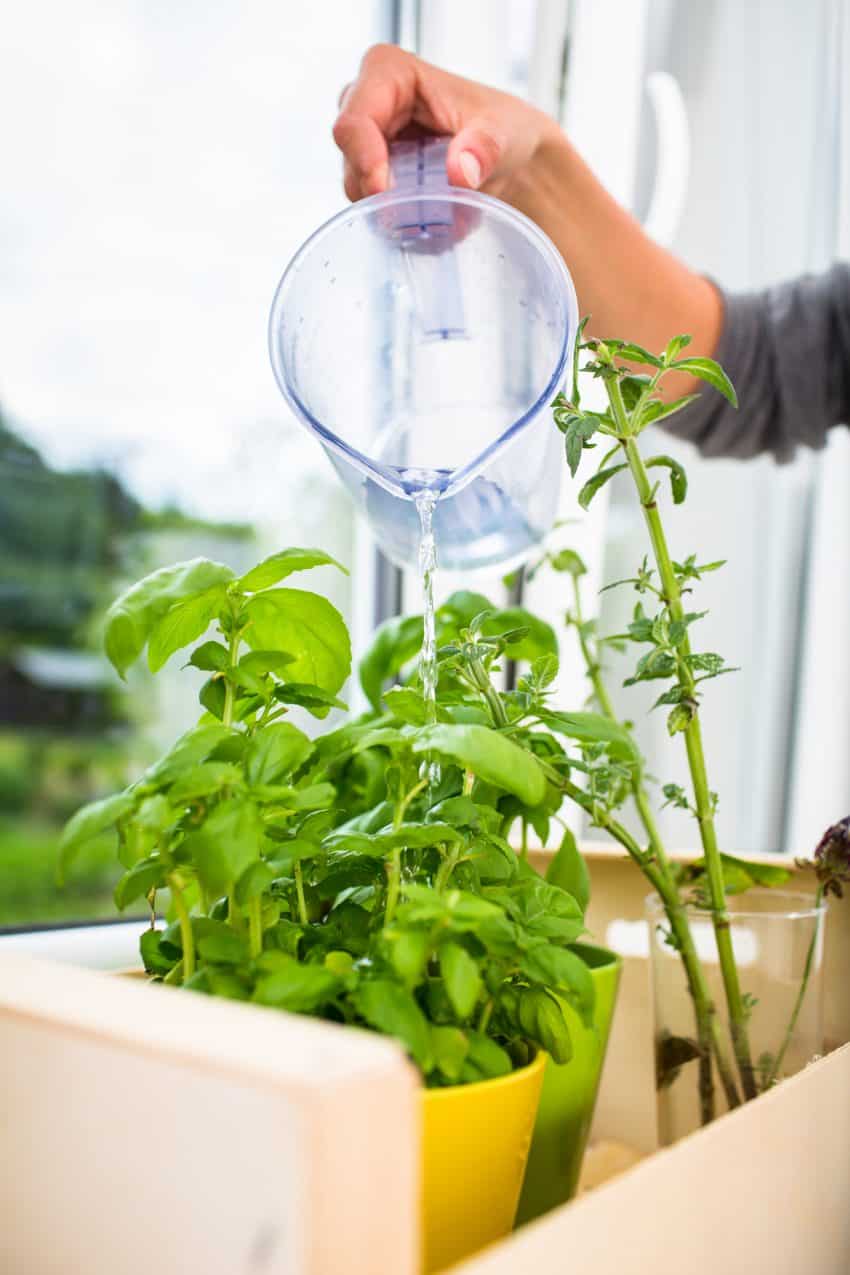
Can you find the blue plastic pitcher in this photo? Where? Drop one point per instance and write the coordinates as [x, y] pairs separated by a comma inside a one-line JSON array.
[[421, 336]]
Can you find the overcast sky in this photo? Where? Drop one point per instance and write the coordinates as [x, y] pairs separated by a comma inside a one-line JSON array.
[[161, 164]]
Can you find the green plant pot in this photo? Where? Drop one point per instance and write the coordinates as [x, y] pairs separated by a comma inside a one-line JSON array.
[[569, 1097]]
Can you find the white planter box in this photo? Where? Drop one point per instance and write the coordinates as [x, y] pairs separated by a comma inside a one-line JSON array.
[[146, 1130]]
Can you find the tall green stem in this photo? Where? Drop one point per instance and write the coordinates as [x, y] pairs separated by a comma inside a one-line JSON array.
[[187, 938], [708, 1033], [801, 995], [394, 875], [299, 892], [694, 747], [255, 927], [229, 686]]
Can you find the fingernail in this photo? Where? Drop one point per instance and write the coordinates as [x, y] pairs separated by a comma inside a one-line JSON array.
[[470, 168]]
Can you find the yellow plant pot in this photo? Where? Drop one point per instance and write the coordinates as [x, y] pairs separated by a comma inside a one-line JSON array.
[[475, 1142]]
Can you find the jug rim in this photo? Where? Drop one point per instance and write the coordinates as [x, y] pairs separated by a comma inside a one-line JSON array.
[[386, 475]]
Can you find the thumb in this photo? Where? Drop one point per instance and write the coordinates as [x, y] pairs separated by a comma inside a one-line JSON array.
[[473, 155]]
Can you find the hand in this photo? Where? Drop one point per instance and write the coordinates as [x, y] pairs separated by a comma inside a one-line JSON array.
[[494, 136]]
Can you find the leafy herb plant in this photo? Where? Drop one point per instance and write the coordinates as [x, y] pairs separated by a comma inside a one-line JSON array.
[[331, 876], [661, 628]]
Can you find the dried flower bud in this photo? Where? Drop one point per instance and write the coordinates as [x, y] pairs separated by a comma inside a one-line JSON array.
[[832, 858]]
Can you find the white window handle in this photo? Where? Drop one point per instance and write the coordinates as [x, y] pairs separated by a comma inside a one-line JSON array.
[[673, 154]]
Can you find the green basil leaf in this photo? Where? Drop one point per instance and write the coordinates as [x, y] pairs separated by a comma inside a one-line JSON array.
[[274, 751], [307, 627], [450, 1048], [392, 1010], [317, 701], [88, 822], [144, 876], [395, 643], [280, 565], [596, 729], [182, 624], [488, 755], [192, 747], [564, 972], [203, 780], [229, 840], [301, 989], [210, 656], [485, 1061], [133, 615], [220, 943], [461, 976], [568, 871]]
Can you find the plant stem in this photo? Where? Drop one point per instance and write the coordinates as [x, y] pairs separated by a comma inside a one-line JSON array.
[[446, 868], [484, 1020], [488, 690], [693, 744], [229, 686], [801, 995], [187, 938], [255, 927], [299, 890], [394, 875], [708, 1032]]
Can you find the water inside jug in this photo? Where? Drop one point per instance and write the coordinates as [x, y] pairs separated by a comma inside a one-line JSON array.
[[421, 336]]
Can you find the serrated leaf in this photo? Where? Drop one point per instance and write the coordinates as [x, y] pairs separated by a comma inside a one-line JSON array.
[[711, 372], [678, 477], [675, 347], [280, 565], [634, 353], [594, 728], [598, 481]]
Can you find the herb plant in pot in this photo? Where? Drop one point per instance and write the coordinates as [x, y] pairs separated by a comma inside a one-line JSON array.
[[363, 876], [736, 975]]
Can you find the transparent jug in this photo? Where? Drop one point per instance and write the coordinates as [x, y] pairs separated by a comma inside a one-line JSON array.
[[421, 335]]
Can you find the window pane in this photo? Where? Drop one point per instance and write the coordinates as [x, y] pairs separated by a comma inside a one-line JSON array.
[[163, 164]]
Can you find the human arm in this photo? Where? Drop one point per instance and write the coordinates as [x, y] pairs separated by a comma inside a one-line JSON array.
[[628, 284]]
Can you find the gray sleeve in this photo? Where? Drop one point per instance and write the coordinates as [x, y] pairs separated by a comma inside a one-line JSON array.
[[787, 352]]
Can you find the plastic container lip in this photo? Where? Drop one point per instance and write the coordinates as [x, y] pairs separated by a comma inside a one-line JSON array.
[[386, 475], [805, 906]]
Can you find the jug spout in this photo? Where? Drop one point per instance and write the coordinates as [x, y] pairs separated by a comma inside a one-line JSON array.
[[428, 230]]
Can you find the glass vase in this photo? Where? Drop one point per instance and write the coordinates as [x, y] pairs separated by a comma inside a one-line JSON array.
[[777, 938]]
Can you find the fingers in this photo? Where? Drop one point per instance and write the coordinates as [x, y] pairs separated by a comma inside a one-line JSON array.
[[366, 156], [474, 154], [373, 108]]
